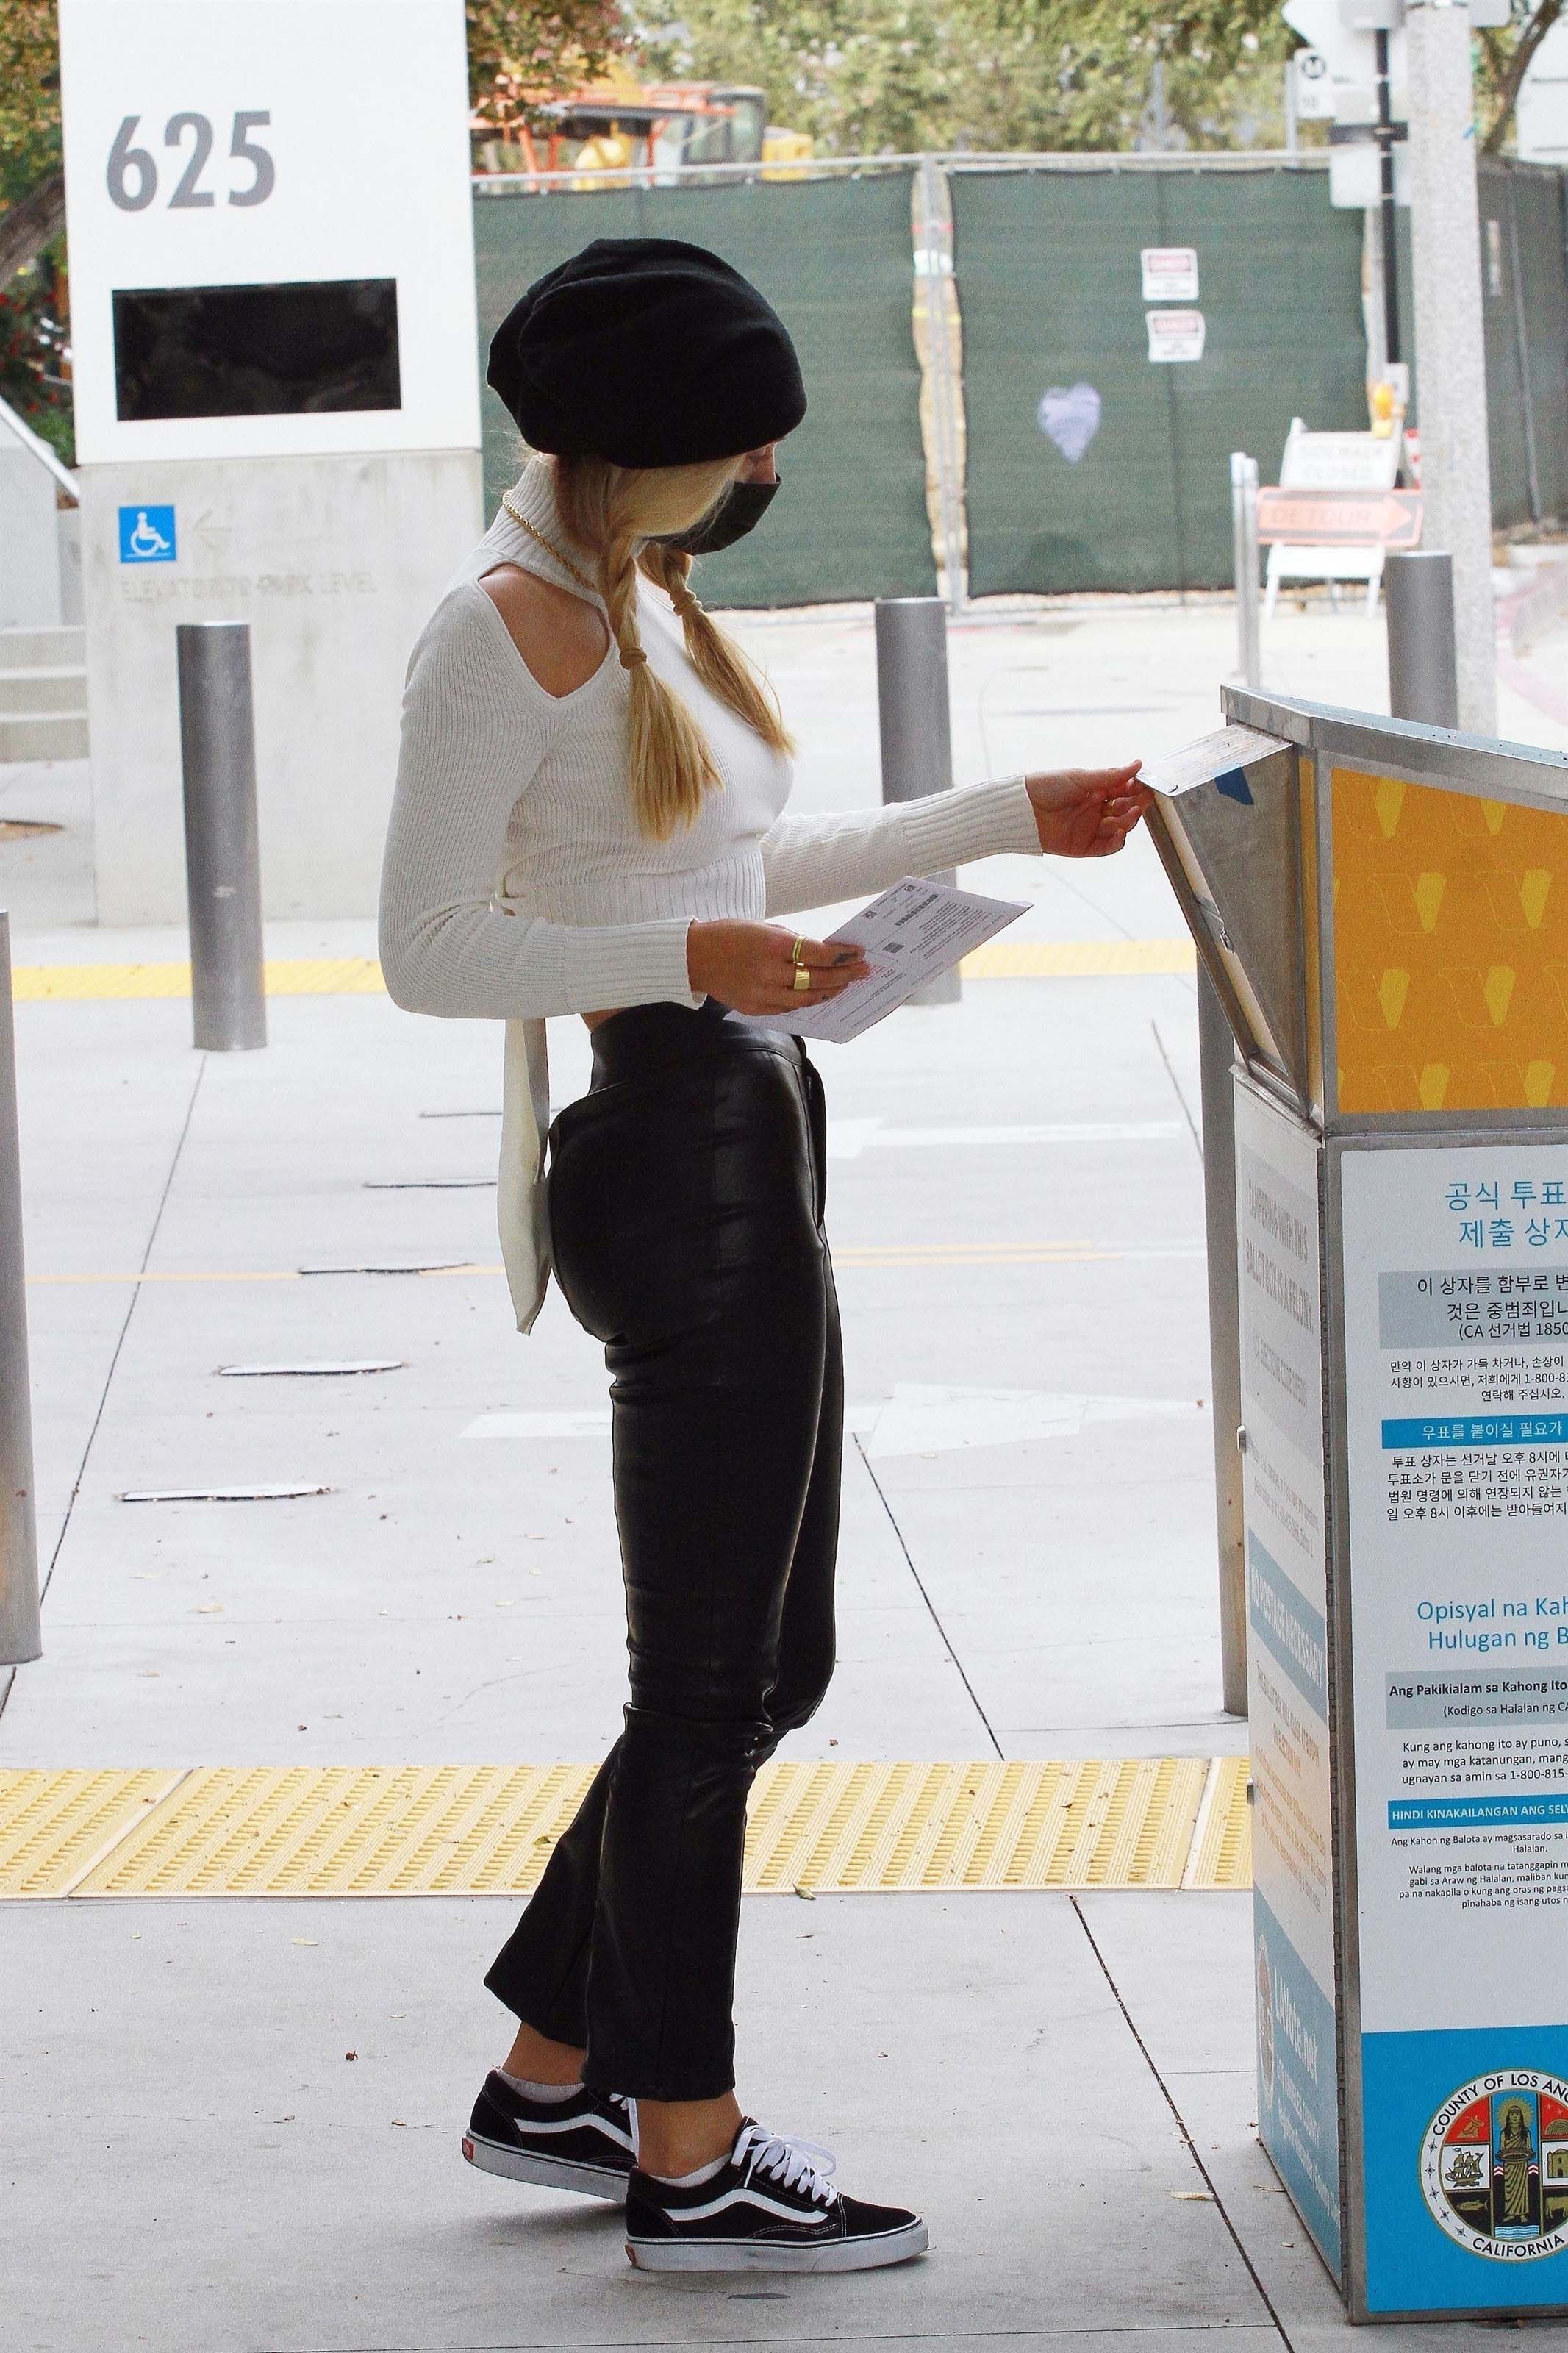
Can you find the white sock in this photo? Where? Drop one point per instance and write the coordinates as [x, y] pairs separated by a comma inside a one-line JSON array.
[[549, 2095], [693, 2181]]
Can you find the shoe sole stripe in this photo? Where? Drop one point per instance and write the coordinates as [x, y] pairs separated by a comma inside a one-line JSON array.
[[863, 2255]]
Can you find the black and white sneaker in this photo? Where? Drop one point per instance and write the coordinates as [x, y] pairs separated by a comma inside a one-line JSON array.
[[584, 2143], [769, 2207]]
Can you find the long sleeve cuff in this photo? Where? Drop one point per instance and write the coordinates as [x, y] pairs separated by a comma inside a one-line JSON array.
[[476, 961], [622, 965]]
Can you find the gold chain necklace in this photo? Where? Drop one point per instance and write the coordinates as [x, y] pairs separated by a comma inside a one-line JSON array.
[[550, 547]]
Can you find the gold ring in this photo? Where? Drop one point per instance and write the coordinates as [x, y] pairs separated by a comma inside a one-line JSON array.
[[802, 976], [798, 954]]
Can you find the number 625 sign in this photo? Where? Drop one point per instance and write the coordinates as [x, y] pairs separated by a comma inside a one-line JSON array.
[[132, 172], [209, 145]]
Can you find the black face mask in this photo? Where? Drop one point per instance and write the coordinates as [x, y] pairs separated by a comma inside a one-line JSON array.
[[740, 510]]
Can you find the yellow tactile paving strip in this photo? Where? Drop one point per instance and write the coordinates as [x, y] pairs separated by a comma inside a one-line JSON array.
[[1220, 1854], [33, 984], [55, 1828], [285, 976], [483, 1830]]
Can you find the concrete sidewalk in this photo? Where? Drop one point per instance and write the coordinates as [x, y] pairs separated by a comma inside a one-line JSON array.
[[1064, 2081]]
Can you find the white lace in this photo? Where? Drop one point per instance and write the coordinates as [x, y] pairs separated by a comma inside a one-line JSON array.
[[795, 2164]]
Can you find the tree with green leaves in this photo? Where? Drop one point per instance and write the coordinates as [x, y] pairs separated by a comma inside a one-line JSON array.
[[1507, 54], [522, 56], [890, 77], [866, 76]]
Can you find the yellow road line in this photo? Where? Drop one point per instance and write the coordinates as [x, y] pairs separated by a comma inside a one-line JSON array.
[[35, 984], [477, 1829], [870, 1255], [278, 1274]]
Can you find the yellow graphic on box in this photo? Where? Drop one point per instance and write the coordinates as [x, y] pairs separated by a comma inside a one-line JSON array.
[[1450, 950]]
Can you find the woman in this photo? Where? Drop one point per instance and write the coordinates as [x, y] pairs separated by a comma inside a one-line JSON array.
[[588, 820]]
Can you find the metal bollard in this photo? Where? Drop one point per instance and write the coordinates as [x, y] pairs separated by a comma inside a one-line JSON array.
[[20, 1635], [223, 856], [916, 725], [1423, 664], [1244, 549], [1215, 1053]]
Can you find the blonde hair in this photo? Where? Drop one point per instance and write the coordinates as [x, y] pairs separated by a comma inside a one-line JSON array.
[[616, 513]]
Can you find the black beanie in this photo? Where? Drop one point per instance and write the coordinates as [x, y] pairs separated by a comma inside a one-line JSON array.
[[649, 352]]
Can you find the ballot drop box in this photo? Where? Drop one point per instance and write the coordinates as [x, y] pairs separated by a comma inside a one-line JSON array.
[[1382, 909]]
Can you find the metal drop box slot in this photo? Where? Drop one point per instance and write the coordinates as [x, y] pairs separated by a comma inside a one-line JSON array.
[[1383, 910]]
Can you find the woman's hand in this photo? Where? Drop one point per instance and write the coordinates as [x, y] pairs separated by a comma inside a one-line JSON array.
[[1086, 812], [750, 968]]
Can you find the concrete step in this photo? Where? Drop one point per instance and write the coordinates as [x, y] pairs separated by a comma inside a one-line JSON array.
[[43, 649], [53, 648], [43, 735], [43, 690]]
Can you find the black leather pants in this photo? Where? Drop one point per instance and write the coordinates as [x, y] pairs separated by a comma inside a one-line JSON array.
[[686, 1201]]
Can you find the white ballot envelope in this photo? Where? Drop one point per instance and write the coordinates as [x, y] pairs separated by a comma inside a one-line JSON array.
[[907, 934], [1221, 758]]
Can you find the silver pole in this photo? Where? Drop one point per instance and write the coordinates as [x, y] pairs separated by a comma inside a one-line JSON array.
[[223, 856], [916, 723], [1215, 1053], [20, 1635], [1446, 268], [935, 249], [1522, 345], [1423, 682], [1244, 549]]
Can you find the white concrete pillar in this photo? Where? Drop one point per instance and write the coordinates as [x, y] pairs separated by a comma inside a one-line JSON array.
[[1450, 358]]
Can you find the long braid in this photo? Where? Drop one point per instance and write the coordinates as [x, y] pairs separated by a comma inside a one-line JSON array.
[[672, 767], [719, 663]]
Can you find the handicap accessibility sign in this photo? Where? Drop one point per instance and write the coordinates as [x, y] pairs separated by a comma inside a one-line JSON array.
[[147, 535]]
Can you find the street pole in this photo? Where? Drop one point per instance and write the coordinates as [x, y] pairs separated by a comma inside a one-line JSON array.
[[1244, 553], [20, 1636], [1418, 596], [1215, 1053], [222, 854], [1391, 351], [916, 725], [1445, 254]]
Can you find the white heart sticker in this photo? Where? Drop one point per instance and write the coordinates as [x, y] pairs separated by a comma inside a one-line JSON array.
[[1070, 416]]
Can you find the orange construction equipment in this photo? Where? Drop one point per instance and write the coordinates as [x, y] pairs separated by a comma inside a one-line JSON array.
[[619, 124]]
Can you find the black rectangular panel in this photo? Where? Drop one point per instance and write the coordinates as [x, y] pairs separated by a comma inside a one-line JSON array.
[[306, 349]]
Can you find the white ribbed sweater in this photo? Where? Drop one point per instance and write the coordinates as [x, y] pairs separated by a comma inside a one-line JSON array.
[[517, 885]]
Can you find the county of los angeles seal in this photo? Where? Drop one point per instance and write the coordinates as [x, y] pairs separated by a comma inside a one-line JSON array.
[[1494, 2166]]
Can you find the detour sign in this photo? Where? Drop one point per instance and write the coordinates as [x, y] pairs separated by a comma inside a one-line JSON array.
[[1338, 518]]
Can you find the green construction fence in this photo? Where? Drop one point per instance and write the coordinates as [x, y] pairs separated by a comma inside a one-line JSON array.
[[1054, 343]]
